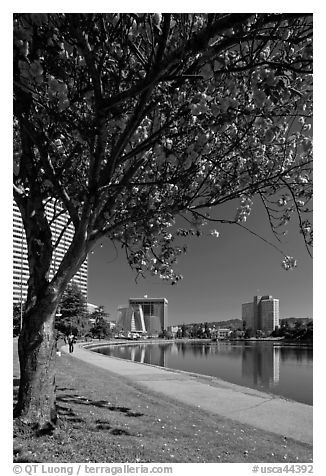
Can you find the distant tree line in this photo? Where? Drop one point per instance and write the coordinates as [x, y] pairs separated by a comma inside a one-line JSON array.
[[289, 329], [300, 330], [194, 331]]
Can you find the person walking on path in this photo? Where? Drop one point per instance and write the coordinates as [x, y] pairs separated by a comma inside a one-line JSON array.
[[71, 341]]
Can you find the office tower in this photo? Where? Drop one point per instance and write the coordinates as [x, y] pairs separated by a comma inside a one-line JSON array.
[[262, 313], [155, 312], [62, 231], [131, 319], [257, 321], [20, 263], [143, 315], [248, 315], [269, 313]]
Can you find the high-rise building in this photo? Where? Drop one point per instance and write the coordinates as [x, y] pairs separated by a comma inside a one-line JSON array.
[[20, 263], [155, 312], [248, 314], [262, 313], [131, 319], [269, 313], [62, 232], [144, 315]]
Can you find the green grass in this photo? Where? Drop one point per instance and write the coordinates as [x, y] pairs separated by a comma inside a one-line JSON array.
[[106, 418]]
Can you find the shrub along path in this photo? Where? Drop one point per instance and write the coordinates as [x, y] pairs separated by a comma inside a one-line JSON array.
[[104, 417]]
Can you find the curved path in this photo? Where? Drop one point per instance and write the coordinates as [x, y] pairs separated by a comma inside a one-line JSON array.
[[245, 405]]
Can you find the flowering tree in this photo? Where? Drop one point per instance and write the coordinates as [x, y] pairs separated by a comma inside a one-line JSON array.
[[128, 120]]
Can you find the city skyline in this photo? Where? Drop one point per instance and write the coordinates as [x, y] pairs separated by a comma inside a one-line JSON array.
[[219, 275], [194, 298]]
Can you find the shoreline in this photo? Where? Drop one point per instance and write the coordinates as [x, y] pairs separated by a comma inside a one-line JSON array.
[[210, 379], [195, 341], [104, 417], [96, 347], [241, 404]]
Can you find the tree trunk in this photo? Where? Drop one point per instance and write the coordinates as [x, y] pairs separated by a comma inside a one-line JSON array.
[[37, 353], [37, 344]]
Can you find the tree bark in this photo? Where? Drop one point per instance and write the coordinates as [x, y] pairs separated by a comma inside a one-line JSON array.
[[37, 353]]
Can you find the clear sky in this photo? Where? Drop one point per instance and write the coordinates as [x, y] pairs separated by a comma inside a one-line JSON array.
[[219, 275]]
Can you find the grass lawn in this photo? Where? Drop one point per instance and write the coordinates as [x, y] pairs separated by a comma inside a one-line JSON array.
[[104, 418]]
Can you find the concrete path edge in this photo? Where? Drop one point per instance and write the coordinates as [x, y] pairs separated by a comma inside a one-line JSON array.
[[265, 411]]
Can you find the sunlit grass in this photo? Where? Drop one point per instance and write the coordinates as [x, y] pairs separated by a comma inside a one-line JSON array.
[[106, 418]]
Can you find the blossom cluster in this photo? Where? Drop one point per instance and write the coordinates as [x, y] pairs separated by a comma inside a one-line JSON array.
[[140, 121], [289, 263], [244, 209]]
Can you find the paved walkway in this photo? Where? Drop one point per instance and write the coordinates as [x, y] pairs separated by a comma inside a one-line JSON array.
[[261, 410]]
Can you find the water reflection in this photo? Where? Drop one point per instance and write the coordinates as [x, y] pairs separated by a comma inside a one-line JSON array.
[[261, 365], [298, 353], [149, 354], [277, 368]]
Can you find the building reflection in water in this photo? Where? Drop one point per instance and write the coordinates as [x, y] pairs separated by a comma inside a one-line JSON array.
[[146, 353], [174, 349], [276, 361], [142, 355], [253, 364], [261, 364]]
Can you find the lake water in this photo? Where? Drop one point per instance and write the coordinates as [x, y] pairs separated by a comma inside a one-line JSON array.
[[276, 368]]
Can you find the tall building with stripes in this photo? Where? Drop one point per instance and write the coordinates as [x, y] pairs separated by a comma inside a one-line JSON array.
[[62, 234]]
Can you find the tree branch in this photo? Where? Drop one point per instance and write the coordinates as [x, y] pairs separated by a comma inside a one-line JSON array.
[[46, 162]]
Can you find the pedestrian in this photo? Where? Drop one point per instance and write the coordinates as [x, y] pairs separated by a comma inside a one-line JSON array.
[[71, 341]]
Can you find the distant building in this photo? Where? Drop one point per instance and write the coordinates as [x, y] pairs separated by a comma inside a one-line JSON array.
[[62, 231], [263, 313], [173, 329], [91, 307], [248, 314], [223, 333], [269, 313], [155, 312], [144, 315], [112, 324], [131, 319]]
